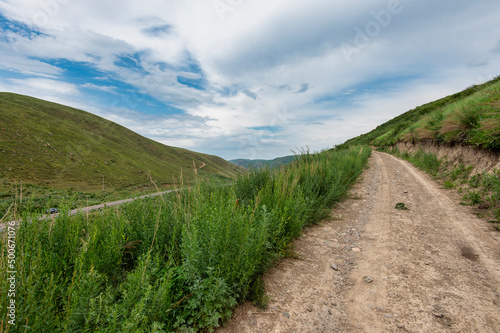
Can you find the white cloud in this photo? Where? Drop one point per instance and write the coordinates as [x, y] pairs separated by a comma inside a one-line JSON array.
[[264, 64], [92, 86], [52, 90], [12, 61]]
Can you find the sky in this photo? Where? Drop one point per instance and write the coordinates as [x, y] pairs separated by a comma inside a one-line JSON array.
[[247, 79]]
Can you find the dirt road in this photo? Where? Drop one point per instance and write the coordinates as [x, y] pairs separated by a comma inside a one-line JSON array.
[[373, 268]]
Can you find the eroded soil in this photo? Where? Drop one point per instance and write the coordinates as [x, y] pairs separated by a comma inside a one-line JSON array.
[[373, 268]]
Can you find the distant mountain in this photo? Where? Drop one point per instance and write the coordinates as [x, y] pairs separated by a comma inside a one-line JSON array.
[[50, 144], [249, 164]]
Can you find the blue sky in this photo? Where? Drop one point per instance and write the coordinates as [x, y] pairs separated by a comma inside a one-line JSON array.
[[247, 79]]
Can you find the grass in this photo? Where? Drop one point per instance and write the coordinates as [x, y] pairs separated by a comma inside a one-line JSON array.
[[179, 262], [49, 144], [38, 198], [428, 162], [470, 117], [60, 153], [483, 188]]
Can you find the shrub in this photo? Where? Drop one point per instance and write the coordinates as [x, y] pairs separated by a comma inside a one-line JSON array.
[[175, 262]]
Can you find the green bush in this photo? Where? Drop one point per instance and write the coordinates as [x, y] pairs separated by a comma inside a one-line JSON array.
[[179, 262]]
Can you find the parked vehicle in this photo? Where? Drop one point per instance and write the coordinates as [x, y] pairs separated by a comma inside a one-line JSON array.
[[52, 211]]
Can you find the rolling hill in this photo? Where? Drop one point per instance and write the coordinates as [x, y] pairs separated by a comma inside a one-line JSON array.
[[470, 117], [57, 146]]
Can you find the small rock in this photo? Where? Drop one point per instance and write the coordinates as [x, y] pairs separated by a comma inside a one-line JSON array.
[[405, 191], [367, 279], [355, 249], [334, 267], [310, 308], [286, 315], [387, 315], [437, 315]]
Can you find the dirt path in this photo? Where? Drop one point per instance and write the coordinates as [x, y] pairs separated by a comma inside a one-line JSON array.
[[373, 268]]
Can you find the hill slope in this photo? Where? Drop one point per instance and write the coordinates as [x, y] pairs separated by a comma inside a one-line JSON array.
[[470, 117], [59, 146]]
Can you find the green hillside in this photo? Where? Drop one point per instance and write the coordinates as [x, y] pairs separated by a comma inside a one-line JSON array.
[[469, 117], [257, 164], [57, 146]]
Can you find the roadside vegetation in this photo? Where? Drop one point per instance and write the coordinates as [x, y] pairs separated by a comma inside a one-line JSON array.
[[179, 262], [482, 191], [39, 198]]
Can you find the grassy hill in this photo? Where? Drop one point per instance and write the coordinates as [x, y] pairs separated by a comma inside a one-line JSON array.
[[59, 147], [470, 117], [257, 164]]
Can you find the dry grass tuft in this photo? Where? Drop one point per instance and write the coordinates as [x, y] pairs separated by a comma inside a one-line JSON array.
[[490, 125], [424, 134], [409, 137], [451, 125]]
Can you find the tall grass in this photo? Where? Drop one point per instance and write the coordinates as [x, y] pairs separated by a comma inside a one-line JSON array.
[[173, 263], [428, 162]]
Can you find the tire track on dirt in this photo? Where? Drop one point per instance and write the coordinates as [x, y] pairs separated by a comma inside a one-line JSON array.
[[436, 273], [432, 268]]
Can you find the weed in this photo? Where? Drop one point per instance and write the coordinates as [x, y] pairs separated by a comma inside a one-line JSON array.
[[401, 206], [258, 294], [475, 181], [428, 162], [178, 262], [472, 198], [448, 184], [496, 214]]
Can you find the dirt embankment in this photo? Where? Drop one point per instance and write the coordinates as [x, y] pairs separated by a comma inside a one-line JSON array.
[[373, 268], [481, 160]]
